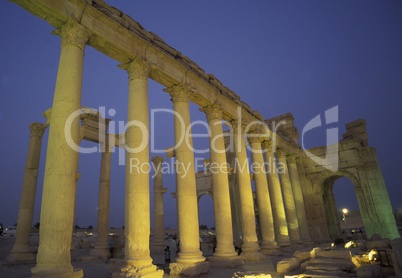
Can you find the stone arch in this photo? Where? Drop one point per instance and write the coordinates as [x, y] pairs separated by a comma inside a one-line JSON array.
[[325, 183]]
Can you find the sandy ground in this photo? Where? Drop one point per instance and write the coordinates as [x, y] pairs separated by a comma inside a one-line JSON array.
[[97, 268]]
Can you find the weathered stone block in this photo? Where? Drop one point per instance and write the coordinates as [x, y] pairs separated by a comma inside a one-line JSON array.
[[189, 269], [287, 265], [335, 254]]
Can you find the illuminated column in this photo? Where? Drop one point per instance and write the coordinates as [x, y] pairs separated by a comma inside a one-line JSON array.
[[102, 248], [299, 201], [21, 250], [224, 252], [159, 190], [289, 201], [186, 190], [138, 262], [274, 186], [59, 188], [264, 203], [250, 247]]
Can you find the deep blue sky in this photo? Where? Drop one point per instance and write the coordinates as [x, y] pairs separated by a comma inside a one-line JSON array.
[[302, 57]]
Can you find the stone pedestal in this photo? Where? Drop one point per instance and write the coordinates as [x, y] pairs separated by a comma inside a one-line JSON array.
[[21, 250], [59, 189]]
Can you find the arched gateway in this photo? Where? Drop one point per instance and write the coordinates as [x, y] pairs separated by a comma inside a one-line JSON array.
[[290, 202]]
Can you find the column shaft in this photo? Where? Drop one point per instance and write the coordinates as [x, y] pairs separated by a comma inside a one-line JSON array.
[[288, 198], [59, 188], [137, 210], [263, 199], [21, 249], [186, 190], [220, 186], [102, 248], [278, 208], [159, 190], [250, 247], [299, 201]]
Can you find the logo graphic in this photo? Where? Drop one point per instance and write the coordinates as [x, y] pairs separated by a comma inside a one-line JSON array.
[[331, 159]]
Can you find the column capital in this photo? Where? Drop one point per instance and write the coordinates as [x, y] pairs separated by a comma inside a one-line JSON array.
[[256, 135], [213, 111], [138, 68], [73, 33], [157, 160], [291, 158], [254, 138], [37, 129], [180, 92], [280, 152], [238, 126], [268, 145]]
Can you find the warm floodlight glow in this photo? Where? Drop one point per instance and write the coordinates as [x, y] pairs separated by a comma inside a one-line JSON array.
[[344, 210]]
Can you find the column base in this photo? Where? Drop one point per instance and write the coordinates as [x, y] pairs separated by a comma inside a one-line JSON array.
[[308, 242], [283, 243], [55, 271], [101, 252], [158, 252], [232, 262], [253, 255], [136, 269], [190, 258], [270, 248], [191, 269], [296, 242], [21, 253], [157, 247]]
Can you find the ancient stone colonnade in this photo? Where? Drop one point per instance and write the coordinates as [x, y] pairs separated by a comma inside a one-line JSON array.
[[291, 206]]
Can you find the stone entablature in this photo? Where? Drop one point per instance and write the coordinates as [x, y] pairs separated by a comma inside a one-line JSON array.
[[118, 36]]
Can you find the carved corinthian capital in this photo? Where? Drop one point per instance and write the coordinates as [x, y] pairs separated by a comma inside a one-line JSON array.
[[137, 68], [179, 93], [238, 126], [291, 159], [213, 112], [73, 33], [37, 129], [157, 160]]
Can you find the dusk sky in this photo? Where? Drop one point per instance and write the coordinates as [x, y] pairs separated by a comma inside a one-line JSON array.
[[302, 57]]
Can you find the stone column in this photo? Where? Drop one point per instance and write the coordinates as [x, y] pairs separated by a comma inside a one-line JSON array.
[[59, 188], [21, 250], [250, 247], [102, 248], [159, 190], [288, 198], [137, 260], [268, 244], [224, 255], [190, 255], [274, 186], [299, 201]]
